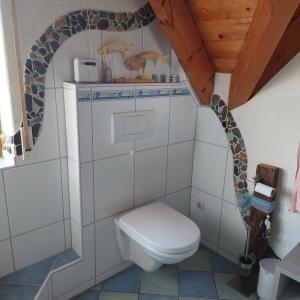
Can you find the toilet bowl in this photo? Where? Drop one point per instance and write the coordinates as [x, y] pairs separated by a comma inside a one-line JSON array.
[[155, 234]]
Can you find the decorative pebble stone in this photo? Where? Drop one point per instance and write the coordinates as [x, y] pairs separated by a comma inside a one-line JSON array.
[[237, 146], [49, 42]]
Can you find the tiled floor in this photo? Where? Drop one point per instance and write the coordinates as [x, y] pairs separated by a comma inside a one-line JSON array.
[[202, 276], [25, 283]]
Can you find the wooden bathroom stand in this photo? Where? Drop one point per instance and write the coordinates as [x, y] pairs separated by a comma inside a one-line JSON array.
[[288, 269], [267, 175], [246, 285]]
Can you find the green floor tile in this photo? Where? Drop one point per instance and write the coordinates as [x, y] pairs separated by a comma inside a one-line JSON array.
[[200, 261], [118, 296], [162, 282], [225, 291]]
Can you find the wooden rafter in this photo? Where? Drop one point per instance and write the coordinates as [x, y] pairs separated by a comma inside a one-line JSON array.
[[271, 19], [182, 33], [287, 48]]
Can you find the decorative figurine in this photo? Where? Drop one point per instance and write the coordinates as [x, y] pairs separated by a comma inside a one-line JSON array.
[[138, 62]]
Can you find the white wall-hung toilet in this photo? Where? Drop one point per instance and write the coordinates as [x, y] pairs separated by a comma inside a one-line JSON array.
[[155, 234]]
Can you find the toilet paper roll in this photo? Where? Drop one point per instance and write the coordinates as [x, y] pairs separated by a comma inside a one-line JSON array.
[[264, 189]]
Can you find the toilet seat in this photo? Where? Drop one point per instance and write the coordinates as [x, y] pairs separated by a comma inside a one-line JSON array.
[[160, 229]]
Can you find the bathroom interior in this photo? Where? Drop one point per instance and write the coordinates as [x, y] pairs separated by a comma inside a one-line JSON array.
[[150, 149]]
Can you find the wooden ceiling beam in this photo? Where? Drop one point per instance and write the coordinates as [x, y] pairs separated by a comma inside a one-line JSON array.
[[288, 47], [267, 29], [183, 35]]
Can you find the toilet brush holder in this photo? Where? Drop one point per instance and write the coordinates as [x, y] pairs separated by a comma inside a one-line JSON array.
[[246, 263]]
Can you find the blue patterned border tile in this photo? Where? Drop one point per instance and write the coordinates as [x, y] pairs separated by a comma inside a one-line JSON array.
[[150, 93], [180, 91], [113, 95], [84, 96]]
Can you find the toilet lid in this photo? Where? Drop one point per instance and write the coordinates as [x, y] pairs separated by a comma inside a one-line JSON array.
[[161, 228]]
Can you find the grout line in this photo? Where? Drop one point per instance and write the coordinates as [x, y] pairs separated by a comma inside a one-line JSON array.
[[8, 221], [128, 153], [221, 215], [205, 192], [60, 166], [44, 226], [168, 146], [212, 144], [94, 196], [34, 163]]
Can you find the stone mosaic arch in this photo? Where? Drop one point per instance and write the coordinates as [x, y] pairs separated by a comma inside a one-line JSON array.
[[55, 35], [238, 149]]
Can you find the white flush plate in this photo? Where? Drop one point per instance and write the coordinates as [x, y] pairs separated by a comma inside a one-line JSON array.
[[132, 126]]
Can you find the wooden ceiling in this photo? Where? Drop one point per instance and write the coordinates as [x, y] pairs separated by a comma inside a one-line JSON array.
[[252, 39], [223, 26]]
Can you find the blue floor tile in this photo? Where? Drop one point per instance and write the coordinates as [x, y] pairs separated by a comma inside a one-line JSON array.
[[126, 281], [64, 259], [197, 284], [88, 295], [156, 297], [222, 265], [17, 292], [33, 274]]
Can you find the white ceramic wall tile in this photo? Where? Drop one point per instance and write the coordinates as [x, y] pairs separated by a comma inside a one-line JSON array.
[[47, 146], [180, 201], [229, 256], [59, 95], [71, 123], [87, 193], [102, 111], [96, 43], [209, 218], [37, 245], [161, 106], [38, 199], [68, 235], [209, 128], [209, 168], [176, 67], [180, 166], [229, 192], [74, 190], [43, 293], [232, 232], [76, 234], [6, 259], [114, 178], [80, 272], [107, 253], [76, 290], [77, 46], [65, 187], [208, 244], [85, 131], [150, 175], [4, 227], [154, 39], [183, 117], [134, 37]]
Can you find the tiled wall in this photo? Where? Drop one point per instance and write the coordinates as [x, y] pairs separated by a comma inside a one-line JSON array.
[[34, 195], [219, 218], [117, 177]]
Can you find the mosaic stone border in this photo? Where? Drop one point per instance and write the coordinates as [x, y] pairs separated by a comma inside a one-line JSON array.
[[45, 47], [238, 149]]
